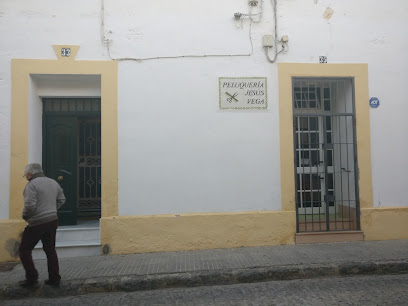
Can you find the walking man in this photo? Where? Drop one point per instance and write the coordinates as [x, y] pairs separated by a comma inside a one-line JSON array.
[[42, 198]]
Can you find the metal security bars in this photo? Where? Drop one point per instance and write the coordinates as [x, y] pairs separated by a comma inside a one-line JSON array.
[[89, 166], [70, 105], [325, 151]]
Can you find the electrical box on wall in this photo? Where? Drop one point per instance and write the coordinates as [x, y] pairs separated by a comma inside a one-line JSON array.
[[285, 38], [267, 41], [253, 2]]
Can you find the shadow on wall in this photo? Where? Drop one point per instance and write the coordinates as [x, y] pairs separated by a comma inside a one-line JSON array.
[[12, 246], [7, 266]]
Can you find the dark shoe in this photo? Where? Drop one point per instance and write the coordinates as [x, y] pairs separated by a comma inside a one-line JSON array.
[[28, 282], [54, 283]]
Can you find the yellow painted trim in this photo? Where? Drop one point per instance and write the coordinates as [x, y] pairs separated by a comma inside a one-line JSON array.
[[360, 74], [10, 238], [161, 233], [384, 223], [73, 49], [21, 69]]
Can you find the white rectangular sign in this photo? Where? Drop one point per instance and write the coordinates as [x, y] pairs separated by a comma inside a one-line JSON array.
[[243, 93]]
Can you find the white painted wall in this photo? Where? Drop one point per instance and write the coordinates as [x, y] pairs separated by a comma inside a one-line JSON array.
[[67, 85], [178, 152]]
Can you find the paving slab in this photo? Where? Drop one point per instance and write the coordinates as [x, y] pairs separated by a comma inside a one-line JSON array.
[[150, 271]]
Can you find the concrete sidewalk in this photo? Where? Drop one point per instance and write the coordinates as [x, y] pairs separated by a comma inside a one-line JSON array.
[[211, 267]]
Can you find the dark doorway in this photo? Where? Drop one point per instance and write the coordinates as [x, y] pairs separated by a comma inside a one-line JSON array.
[[72, 154], [325, 152]]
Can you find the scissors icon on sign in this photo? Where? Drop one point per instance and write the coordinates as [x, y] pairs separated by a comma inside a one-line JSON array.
[[232, 97]]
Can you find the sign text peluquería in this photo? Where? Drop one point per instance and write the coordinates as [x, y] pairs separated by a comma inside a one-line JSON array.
[[243, 93]]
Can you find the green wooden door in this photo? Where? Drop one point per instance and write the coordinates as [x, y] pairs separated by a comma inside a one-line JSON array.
[[60, 160]]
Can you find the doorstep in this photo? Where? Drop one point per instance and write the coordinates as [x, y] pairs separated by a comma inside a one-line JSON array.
[[325, 237]]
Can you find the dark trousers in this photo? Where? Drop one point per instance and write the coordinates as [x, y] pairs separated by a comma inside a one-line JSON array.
[[32, 234]]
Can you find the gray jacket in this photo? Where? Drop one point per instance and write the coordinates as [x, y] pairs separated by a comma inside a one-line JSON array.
[[42, 198]]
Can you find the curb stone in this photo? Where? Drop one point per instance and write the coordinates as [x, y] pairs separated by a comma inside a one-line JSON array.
[[202, 278]]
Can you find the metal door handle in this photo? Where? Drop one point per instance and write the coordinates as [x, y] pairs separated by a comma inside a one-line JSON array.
[[60, 178]]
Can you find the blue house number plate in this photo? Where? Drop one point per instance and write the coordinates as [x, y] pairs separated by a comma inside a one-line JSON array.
[[374, 102]]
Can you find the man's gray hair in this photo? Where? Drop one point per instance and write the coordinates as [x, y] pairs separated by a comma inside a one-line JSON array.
[[33, 169]]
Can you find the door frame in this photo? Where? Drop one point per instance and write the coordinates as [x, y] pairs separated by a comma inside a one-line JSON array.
[[359, 73], [24, 96]]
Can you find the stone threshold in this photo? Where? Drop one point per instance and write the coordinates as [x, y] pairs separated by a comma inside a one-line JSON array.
[[326, 237]]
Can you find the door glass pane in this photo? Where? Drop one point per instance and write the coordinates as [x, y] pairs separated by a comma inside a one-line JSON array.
[[314, 124], [316, 181], [328, 123], [314, 140], [306, 182], [304, 140], [305, 160], [297, 159], [315, 158], [316, 199], [303, 123], [330, 158]]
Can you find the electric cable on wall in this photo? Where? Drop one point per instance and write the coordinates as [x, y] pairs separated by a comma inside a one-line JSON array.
[[108, 42]]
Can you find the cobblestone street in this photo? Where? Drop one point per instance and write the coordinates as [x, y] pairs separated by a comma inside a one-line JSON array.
[[357, 290]]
